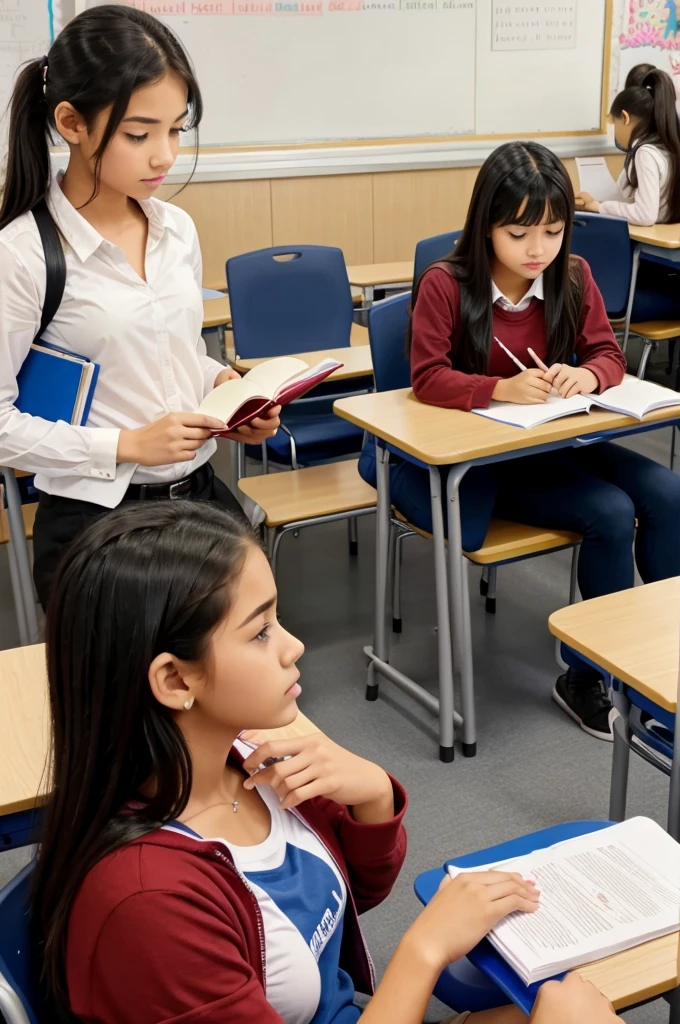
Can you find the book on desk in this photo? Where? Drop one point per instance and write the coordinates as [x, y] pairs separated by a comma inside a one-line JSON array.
[[600, 894], [633, 398], [56, 384]]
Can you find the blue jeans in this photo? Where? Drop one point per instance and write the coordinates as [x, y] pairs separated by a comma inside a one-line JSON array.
[[596, 491]]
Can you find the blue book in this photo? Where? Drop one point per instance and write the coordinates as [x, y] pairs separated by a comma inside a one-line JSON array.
[[56, 384]]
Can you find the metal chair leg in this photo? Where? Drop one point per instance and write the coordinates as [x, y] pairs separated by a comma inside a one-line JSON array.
[[396, 581], [484, 581], [618, 791], [648, 346], [17, 539], [490, 604], [265, 458], [273, 558], [353, 536], [17, 597], [241, 458]]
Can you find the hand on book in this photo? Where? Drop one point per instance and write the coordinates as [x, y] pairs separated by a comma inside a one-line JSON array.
[[175, 437], [259, 429], [572, 1001], [465, 909], [571, 380], [526, 388], [584, 201]]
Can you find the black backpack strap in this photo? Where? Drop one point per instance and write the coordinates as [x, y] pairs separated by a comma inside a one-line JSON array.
[[55, 264]]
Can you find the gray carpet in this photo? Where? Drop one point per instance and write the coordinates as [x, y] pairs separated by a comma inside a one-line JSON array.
[[534, 767]]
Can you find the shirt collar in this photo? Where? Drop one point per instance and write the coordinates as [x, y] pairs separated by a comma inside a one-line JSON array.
[[83, 239], [535, 292]]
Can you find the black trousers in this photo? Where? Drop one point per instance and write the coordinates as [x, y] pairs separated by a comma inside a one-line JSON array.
[[59, 521]]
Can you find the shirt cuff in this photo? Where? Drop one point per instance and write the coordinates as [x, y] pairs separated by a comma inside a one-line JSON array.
[[103, 451], [483, 393]]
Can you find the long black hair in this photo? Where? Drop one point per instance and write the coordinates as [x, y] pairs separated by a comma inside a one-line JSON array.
[[151, 578], [653, 102], [97, 61], [517, 184]]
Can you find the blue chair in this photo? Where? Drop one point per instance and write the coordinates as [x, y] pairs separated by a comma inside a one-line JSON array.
[[429, 250], [20, 1002], [290, 299], [463, 986]]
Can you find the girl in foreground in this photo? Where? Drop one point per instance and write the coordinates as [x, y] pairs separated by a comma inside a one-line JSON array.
[[173, 887]]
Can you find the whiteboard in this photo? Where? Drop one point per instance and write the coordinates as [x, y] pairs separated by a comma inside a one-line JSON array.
[[277, 72], [26, 29]]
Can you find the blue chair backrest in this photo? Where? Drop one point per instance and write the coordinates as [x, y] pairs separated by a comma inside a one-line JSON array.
[[16, 964], [604, 242], [291, 298], [387, 322], [431, 249]]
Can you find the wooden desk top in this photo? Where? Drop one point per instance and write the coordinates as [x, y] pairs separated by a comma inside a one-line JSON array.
[[216, 312], [442, 437], [634, 634], [357, 361], [376, 274], [24, 727], [665, 236], [637, 974]]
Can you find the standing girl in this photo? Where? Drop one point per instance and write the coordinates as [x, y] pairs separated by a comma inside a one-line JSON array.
[[118, 87], [187, 877], [511, 277]]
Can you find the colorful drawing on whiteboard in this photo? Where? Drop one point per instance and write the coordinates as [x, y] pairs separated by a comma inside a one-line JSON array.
[[652, 23]]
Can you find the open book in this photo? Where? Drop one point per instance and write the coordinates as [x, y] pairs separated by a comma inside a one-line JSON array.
[[273, 382], [632, 398], [595, 177], [600, 894]]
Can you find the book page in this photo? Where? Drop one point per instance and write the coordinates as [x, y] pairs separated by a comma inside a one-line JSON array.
[[534, 415], [271, 374], [636, 397], [223, 401], [596, 178], [600, 893]]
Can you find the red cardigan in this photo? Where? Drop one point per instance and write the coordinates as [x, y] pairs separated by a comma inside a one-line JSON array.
[[165, 929], [437, 338]]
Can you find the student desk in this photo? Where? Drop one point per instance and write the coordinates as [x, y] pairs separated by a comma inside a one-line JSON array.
[[432, 437], [634, 637], [356, 361], [216, 313], [380, 275], [24, 740]]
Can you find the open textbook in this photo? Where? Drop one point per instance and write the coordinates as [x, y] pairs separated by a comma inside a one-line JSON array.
[[632, 398], [600, 894], [272, 382], [596, 178]]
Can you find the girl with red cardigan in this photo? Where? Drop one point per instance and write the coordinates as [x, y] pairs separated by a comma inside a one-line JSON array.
[[511, 278], [186, 877]]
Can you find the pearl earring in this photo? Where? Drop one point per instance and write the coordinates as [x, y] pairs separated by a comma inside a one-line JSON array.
[[188, 704]]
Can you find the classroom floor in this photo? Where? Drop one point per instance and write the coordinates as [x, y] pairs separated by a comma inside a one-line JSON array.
[[534, 767]]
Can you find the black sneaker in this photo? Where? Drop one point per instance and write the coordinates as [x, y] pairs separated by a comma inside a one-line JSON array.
[[583, 696]]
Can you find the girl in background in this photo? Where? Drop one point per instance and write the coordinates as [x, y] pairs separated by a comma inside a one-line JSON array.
[[118, 87], [511, 277]]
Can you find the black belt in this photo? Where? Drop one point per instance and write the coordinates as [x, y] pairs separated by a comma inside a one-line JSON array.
[[197, 480]]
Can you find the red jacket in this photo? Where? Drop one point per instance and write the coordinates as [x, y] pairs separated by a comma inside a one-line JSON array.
[[437, 338], [166, 930]]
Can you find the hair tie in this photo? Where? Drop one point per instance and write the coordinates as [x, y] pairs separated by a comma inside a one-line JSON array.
[[44, 67]]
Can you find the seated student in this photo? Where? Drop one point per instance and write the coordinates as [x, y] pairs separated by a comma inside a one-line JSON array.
[[511, 277], [647, 128], [171, 886]]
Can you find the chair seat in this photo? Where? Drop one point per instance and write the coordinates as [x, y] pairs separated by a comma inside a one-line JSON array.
[[319, 436], [28, 512], [311, 493], [657, 330], [506, 541]]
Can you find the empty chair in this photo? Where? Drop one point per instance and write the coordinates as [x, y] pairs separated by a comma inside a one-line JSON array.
[[428, 250]]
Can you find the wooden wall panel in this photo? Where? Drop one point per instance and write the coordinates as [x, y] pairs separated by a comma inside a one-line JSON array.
[[333, 210], [231, 217], [410, 205]]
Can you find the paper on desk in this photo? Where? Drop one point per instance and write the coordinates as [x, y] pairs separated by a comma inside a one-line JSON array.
[[595, 177]]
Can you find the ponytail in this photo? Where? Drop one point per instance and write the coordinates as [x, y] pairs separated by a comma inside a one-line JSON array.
[[96, 63], [28, 154], [653, 103]]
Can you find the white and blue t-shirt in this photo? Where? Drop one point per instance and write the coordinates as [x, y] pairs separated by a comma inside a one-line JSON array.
[[302, 898]]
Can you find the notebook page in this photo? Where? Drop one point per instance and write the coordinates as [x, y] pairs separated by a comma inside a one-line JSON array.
[[528, 416], [271, 374], [223, 401], [600, 894], [595, 177], [636, 397]]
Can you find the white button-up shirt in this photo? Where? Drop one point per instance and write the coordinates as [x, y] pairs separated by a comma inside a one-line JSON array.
[[535, 292], [145, 335]]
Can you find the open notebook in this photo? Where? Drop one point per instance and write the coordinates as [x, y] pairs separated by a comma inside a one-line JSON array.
[[600, 894], [273, 382], [633, 398]]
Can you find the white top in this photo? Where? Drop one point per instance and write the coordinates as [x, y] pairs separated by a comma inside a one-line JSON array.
[[535, 292], [146, 336], [647, 204], [302, 898]]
